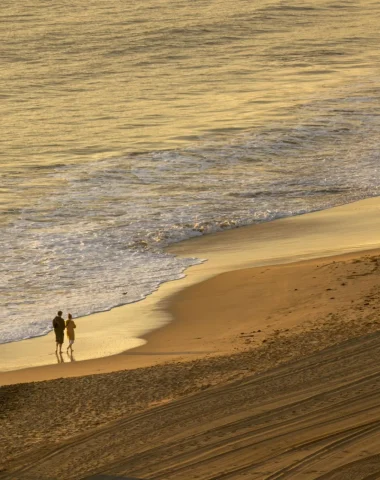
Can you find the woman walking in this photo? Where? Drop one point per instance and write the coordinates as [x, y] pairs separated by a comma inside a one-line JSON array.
[[70, 325]]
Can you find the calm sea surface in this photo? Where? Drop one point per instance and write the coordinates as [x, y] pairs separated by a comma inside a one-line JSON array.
[[126, 126]]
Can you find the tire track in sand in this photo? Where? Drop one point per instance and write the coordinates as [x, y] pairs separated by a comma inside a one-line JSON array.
[[317, 418]]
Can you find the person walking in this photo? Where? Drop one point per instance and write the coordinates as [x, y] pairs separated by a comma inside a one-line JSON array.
[[70, 325], [59, 328]]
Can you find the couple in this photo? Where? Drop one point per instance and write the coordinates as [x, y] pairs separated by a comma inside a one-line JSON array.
[[59, 328]]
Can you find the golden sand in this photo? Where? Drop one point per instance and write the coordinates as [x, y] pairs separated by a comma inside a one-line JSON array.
[[266, 370], [350, 228], [230, 333]]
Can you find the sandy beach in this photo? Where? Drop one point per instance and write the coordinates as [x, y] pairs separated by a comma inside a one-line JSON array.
[[265, 367], [104, 338], [198, 185]]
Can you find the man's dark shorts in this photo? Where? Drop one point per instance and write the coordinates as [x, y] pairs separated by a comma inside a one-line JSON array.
[[59, 334]]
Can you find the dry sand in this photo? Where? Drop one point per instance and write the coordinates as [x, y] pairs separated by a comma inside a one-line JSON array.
[[267, 372]]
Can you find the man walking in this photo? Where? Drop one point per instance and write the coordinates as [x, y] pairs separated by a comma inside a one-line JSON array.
[[59, 328]]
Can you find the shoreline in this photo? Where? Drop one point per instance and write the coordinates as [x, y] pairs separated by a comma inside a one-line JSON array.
[[350, 228]]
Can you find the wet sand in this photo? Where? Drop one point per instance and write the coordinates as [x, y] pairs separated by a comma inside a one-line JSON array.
[[350, 228]]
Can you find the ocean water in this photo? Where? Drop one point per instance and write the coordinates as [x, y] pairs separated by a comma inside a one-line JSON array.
[[127, 126]]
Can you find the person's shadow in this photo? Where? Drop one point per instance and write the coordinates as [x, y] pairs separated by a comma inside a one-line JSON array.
[[71, 357], [60, 358]]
